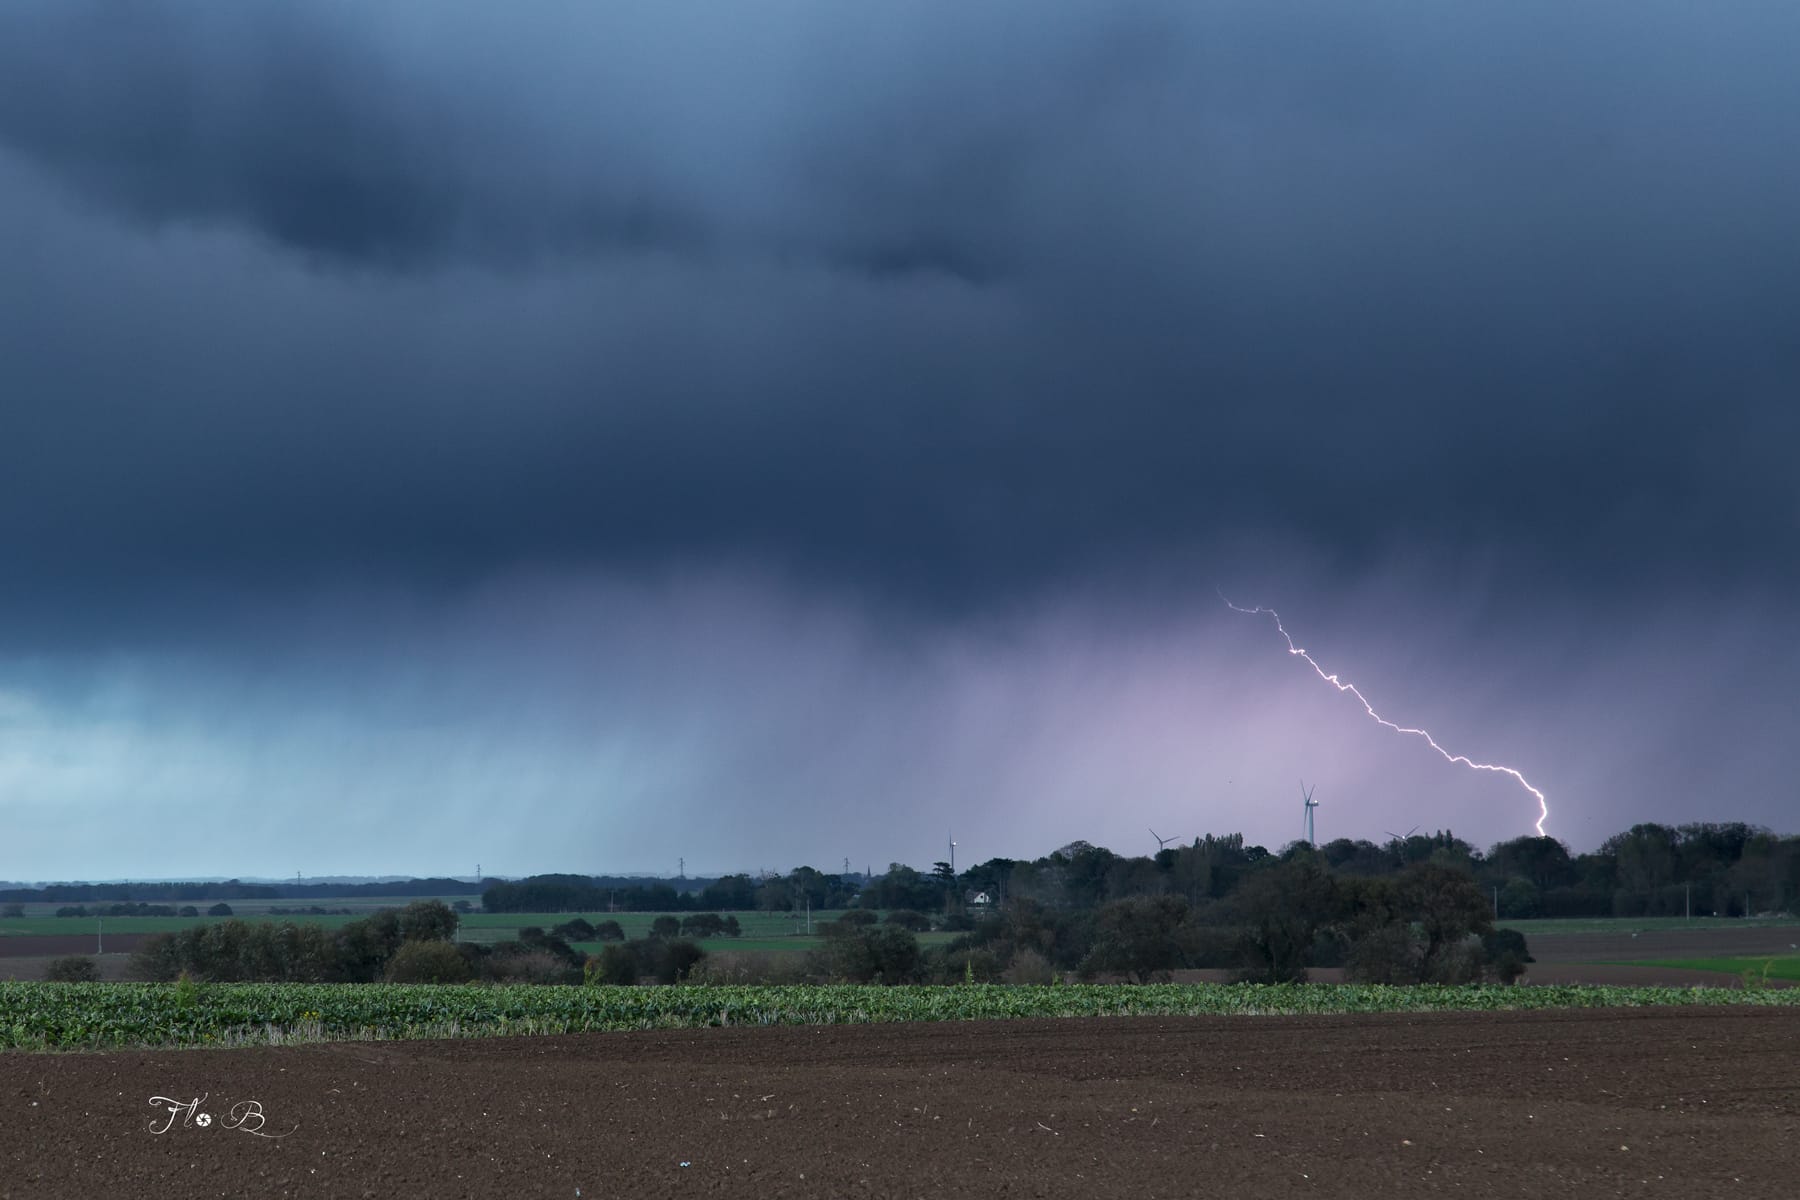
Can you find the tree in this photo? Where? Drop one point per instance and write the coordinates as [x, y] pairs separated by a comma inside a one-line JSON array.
[[902, 887], [577, 930], [666, 927], [1422, 926], [729, 892], [1139, 937], [1544, 862], [428, 921], [1506, 953], [1520, 898], [1281, 910], [427, 962], [221, 909]]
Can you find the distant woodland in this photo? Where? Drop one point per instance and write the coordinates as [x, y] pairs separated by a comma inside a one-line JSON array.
[[1727, 869], [1418, 909]]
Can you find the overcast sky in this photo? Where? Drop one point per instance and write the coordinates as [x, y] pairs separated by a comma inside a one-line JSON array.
[[579, 437]]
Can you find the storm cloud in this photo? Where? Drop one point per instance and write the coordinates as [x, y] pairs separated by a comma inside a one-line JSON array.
[[943, 322]]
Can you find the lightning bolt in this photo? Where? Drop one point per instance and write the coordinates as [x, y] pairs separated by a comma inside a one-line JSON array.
[[1344, 686]]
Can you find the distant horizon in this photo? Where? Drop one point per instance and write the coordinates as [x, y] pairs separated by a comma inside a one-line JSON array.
[[694, 873]]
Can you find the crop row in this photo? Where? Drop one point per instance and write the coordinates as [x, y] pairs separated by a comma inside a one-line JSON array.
[[37, 1016]]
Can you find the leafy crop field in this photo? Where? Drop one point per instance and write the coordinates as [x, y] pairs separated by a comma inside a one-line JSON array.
[[45, 1016]]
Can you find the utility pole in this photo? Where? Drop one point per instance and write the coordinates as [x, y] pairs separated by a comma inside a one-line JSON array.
[[1496, 904], [99, 937]]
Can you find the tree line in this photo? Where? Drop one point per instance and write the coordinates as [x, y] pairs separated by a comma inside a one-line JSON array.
[[1724, 869]]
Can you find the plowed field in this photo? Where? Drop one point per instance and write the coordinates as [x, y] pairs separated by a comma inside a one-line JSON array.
[[1667, 1103]]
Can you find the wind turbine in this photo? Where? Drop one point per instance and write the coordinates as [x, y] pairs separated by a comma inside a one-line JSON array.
[[1306, 794], [1401, 837], [1162, 841]]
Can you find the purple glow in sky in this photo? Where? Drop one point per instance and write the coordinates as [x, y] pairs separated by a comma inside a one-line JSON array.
[[591, 438]]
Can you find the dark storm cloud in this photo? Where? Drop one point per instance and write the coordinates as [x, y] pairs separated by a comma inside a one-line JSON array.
[[932, 300]]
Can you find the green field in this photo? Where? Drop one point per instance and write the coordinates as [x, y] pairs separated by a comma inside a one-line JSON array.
[[65, 1016], [1785, 966], [1641, 924]]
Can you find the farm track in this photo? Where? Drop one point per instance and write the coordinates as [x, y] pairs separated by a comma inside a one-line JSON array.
[[1671, 1102]]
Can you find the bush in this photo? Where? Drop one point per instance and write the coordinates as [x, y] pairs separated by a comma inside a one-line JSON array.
[[514, 962], [677, 961], [536, 939], [1028, 966], [885, 954], [13, 910], [1382, 954], [615, 965], [221, 909], [703, 925], [188, 910], [666, 927], [428, 962], [859, 916], [1506, 954], [577, 930], [608, 931], [76, 968], [750, 966], [908, 919], [965, 964]]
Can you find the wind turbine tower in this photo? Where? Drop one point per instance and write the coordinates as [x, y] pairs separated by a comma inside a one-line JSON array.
[[1306, 794]]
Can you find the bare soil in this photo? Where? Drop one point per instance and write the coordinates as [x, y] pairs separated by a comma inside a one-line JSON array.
[[1656, 1103]]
